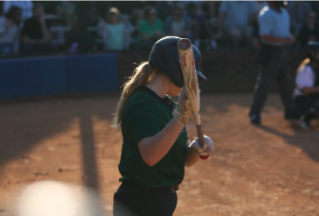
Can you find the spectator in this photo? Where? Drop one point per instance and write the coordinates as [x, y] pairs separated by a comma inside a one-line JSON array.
[[93, 16], [233, 20], [198, 6], [66, 10], [309, 31], [297, 11], [35, 34], [10, 31], [115, 33], [307, 86], [26, 7], [255, 27], [178, 24], [199, 26], [209, 9], [136, 17], [164, 9], [150, 29], [126, 7]]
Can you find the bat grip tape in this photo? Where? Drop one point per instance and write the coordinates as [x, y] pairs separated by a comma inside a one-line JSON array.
[[200, 134], [201, 139]]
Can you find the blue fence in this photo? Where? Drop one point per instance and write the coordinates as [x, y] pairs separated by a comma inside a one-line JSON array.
[[56, 75]]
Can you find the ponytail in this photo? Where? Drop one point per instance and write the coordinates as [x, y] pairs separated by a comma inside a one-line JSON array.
[[141, 75]]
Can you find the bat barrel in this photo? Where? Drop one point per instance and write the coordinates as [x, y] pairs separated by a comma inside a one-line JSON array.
[[184, 44]]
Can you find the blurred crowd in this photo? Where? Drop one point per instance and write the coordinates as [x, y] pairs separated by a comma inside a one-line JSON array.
[[28, 27]]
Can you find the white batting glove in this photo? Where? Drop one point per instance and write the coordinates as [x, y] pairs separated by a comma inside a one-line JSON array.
[[208, 146], [183, 108]]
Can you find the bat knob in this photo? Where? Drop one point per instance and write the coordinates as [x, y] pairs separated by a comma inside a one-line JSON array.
[[184, 44], [204, 157]]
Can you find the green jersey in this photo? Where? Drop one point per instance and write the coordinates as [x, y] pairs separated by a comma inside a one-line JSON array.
[[146, 114]]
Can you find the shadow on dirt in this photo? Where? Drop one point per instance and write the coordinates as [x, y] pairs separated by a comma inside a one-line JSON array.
[[223, 102], [24, 125], [301, 138], [88, 152]]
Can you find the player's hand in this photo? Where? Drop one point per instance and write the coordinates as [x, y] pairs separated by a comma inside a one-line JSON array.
[[208, 146], [183, 111]]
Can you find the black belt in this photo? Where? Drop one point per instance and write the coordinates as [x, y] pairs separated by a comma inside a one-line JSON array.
[[133, 185], [280, 47]]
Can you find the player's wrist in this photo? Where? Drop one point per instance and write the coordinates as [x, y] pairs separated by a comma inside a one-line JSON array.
[[177, 117]]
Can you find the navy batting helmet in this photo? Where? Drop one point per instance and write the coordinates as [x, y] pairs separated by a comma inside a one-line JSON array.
[[164, 56]]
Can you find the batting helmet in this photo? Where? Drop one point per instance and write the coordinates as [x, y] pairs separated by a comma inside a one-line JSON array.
[[164, 56]]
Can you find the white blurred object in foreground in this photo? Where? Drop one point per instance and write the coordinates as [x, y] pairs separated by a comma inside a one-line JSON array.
[[53, 198]]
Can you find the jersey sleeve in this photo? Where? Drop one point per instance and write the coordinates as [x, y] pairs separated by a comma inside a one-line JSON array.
[[305, 78], [265, 24], [142, 27], [145, 121]]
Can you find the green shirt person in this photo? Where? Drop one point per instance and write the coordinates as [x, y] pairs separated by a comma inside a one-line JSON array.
[[150, 28], [155, 147], [145, 115]]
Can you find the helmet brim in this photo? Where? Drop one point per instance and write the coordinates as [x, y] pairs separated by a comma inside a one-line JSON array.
[[201, 75]]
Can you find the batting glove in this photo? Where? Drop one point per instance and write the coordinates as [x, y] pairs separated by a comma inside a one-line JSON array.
[[184, 110], [208, 146]]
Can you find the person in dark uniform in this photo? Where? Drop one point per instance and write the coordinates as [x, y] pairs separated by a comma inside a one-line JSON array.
[[35, 34], [155, 147], [307, 86], [274, 32]]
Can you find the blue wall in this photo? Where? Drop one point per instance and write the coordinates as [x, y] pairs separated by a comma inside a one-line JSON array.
[[56, 75]]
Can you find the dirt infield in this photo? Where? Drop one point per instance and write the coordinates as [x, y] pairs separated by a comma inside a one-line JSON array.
[[271, 169]]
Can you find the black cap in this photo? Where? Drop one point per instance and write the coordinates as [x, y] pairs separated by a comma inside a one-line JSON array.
[[313, 45], [312, 48], [164, 56]]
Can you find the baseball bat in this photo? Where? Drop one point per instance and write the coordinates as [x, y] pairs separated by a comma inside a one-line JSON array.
[[185, 51]]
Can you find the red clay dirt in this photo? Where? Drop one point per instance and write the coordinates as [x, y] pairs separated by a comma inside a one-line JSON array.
[[271, 169]]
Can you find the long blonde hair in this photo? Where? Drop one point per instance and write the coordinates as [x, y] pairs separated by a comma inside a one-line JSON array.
[[303, 63], [142, 74]]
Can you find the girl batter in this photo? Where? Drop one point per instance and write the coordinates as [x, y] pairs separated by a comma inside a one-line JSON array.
[[155, 145]]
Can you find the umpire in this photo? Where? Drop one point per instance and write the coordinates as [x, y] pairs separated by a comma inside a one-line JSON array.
[[274, 26]]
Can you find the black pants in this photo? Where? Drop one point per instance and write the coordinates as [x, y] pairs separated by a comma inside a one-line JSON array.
[[274, 69], [134, 200], [304, 103]]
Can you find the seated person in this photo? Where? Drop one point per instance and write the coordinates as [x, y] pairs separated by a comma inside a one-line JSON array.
[[150, 29], [297, 11], [25, 6], [307, 86], [178, 24], [234, 18], [164, 9], [35, 34], [9, 31], [200, 27], [115, 31], [309, 31]]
